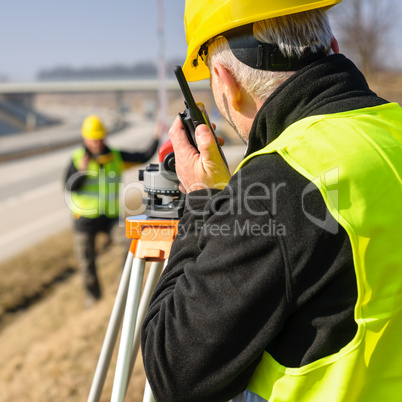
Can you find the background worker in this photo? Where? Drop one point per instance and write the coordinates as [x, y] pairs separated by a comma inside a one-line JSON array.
[[93, 177], [284, 282]]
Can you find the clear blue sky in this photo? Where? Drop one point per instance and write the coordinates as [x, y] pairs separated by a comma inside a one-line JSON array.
[[40, 34], [37, 34]]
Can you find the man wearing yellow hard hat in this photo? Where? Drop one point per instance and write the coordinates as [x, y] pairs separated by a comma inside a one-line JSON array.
[[93, 178], [285, 280]]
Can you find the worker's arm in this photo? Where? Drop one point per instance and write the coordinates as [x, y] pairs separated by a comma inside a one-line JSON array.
[[74, 178], [204, 332], [199, 319], [131, 159]]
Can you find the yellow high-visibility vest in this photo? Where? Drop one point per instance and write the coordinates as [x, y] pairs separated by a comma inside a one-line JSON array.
[[355, 160], [99, 194]]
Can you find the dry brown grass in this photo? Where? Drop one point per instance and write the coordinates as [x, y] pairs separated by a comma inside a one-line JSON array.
[[49, 351], [27, 276]]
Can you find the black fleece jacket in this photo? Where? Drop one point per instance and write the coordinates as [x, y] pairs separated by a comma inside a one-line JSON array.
[[249, 271]]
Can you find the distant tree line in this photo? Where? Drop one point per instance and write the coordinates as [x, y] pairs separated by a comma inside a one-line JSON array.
[[142, 70]]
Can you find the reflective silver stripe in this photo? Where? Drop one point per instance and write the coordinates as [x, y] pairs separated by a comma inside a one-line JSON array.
[[248, 396]]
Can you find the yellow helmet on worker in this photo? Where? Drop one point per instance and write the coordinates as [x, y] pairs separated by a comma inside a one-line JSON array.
[[205, 19], [93, 128]]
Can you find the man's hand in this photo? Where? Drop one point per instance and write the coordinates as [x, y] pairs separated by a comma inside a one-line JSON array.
[[197, 171]]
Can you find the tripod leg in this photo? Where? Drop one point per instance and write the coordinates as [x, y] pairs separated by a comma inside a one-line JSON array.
[[153, 277], [111, 333], [148, 397], [127, 332]]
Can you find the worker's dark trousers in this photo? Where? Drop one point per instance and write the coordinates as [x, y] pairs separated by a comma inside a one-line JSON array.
[[84, 244], [85, 234]]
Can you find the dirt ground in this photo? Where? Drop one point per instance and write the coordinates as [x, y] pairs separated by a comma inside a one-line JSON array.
[[50, 343]]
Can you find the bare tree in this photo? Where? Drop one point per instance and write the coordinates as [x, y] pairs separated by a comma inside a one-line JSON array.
[[365, 27]]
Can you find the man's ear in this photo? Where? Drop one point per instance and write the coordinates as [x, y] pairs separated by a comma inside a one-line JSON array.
[[229, 85], [334, 45]]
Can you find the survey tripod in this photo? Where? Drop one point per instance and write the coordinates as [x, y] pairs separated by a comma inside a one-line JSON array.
[[151, 237]]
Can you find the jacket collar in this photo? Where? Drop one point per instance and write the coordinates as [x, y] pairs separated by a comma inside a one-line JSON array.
[[330, 85]]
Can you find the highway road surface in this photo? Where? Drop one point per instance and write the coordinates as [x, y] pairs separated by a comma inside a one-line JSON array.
[[32, 198]]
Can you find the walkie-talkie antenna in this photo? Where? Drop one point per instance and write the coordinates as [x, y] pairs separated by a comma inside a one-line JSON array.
[[195, 112]]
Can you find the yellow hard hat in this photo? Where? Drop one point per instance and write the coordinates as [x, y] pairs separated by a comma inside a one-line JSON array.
[[204, 19], [93, 129]]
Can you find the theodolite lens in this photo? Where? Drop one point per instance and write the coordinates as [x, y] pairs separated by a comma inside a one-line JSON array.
[[170, 163]]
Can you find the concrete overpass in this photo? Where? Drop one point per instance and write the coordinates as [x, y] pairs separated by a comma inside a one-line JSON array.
[[10, 88], [17, 99]]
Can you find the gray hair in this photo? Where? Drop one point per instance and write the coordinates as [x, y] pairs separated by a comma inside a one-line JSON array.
[[292, 33]]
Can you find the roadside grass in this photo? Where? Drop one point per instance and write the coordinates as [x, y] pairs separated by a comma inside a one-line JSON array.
[[26, 277]]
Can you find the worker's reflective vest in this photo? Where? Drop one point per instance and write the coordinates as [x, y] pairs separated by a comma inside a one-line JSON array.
[[99, 194], [355, 159]]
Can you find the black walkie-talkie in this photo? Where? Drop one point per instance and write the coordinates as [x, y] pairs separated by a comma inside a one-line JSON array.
[[194, 114]]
